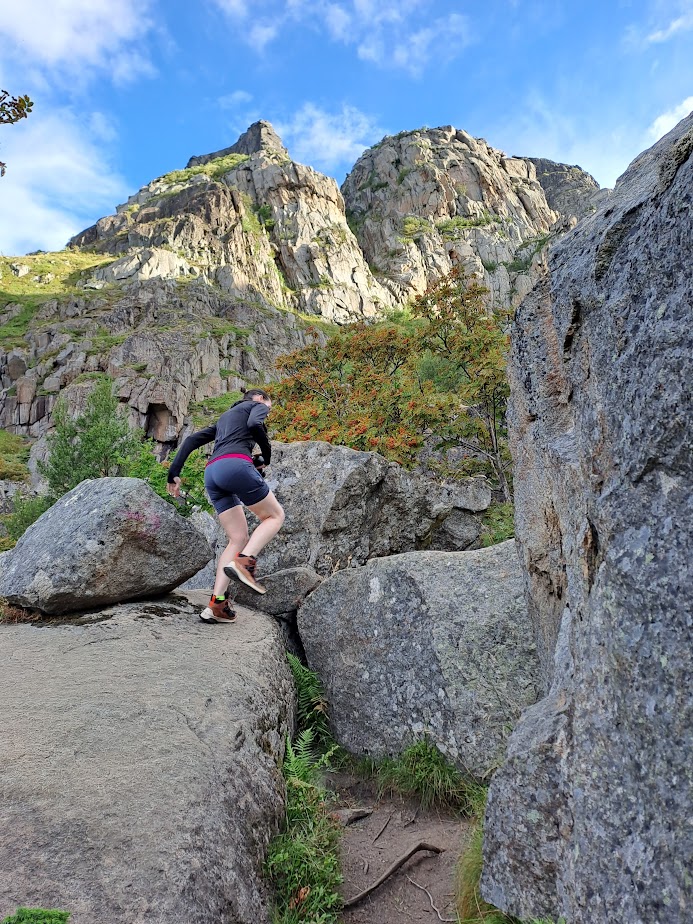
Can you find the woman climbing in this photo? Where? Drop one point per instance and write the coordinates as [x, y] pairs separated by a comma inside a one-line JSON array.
[[234, 478]]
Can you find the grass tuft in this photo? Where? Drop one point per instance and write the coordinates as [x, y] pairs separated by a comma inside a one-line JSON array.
[[214, 169], [14, 455], [499, 524], [37, 916], [422, 771], [303, 861]]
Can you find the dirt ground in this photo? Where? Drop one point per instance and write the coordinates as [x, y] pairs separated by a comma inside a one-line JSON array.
[[372, 844]]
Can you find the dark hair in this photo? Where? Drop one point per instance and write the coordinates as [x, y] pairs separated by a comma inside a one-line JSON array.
[[250, 393]]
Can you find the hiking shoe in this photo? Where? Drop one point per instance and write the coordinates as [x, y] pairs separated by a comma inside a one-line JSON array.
[[218, 611], [243, 568]]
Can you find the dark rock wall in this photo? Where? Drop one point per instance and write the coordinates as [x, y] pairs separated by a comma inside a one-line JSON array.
[[587, 817], [569, 190]]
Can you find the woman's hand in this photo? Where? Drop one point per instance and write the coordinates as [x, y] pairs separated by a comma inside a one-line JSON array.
[[174, 488]]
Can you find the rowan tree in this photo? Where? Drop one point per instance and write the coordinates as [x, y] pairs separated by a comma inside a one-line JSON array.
[[465, 346], [438, 374], [12, 109]]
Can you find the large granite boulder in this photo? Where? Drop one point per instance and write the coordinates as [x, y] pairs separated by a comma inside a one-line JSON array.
[[139, 765], [426, 643], [107, 540], [344, 507], [217, 539], [590, 816]]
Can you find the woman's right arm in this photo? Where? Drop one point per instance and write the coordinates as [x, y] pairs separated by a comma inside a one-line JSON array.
[[193, 442]]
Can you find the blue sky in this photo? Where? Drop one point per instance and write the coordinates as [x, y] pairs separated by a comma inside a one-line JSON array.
[[126, 90]]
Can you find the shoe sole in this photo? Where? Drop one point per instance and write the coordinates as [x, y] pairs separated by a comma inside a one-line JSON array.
[[208, 616], [232, 572]]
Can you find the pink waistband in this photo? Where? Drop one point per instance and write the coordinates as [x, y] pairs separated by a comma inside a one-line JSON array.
[[230, 455]]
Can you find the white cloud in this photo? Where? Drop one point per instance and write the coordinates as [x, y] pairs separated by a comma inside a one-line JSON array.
[[390, 33], [58, 181], [327, 140], [233, 7], [667, 120], [443, 38], [545, 130], [338, 22], [71, 37], [261, 34], [235, 99], [681, 24]]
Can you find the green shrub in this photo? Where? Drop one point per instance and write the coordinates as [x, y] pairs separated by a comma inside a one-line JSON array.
[[37, 916], [14, 454], [25, 511], [413, 227], [499, 524], [311, 703], [450, 228], [96, 444], [264, 214], [422, 771], [145, 465]]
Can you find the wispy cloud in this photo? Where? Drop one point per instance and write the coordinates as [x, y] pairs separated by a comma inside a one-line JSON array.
[[74, 38], [543, 129], [235, 99], [328, 140], [667, 120], [57, 179], [391, 33], [682, 23]]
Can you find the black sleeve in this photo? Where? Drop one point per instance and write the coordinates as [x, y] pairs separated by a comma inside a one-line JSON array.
[[258, 431], [193, 442]]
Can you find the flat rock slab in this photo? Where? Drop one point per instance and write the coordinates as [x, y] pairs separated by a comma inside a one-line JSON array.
[[139, 779], [286, 591], [435, 644], [106, 541]]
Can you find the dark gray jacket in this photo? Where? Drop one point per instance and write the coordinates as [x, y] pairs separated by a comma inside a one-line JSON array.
[[237, 430]]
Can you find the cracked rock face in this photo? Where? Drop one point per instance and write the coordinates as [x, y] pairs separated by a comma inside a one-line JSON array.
[[426, 643], [107, 540], [344, 507], [139, 760], [569, 189], [422, 202], [165, 346], [588, 818]]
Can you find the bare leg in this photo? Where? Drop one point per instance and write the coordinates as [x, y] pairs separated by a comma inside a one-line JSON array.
[[236, 529], [271, 515]]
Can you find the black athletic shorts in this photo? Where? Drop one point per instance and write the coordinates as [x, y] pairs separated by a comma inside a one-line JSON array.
[[232, 481]]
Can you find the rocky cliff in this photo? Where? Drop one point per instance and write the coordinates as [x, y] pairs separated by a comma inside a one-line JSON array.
[[207, 274], [421, 202], [587, 819], [249, 220], [569, 190]]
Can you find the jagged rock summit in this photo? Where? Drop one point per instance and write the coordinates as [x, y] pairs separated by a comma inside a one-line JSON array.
[[569, 190], [249, 220], [260, 136], [423, 201], [206, 275]]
